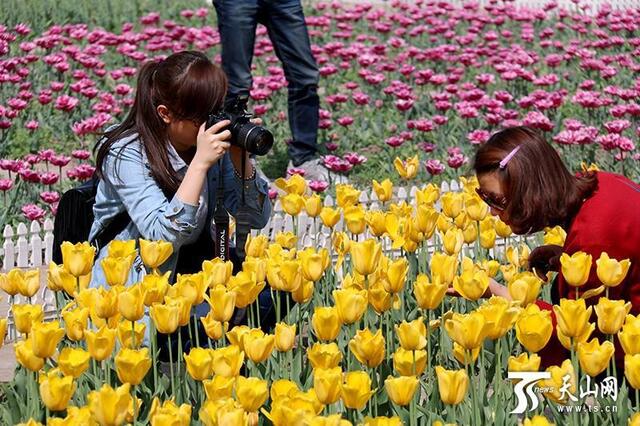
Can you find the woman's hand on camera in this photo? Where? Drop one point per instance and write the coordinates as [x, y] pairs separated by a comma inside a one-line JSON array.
[[212, 144]]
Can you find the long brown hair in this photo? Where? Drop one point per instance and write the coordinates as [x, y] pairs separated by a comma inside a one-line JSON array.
[[540, 190], [190, 86]]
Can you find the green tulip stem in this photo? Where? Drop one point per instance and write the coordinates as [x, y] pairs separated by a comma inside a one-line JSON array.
[[173, 383], [179, 361]]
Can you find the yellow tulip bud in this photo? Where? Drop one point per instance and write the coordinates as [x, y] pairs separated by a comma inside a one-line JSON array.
[[285, 336], [292, 204], [217, 272], [632, 370], [444, 267], [313, 205], [383, 190], [611, 314], [396, 273], [488, 233], [287, 239], [452, 385], [25, 316], [100, 344], [534, 328], [572, 316], [155, 287], [295, 184], [257, 345], [367, 347], [403, 362], [165, 316], [629, 335], [56, 391], [500, 315], [326, 355], [256, 246], [379, 298], [3, 330], [412, 335], [401, 389], [576, 268], [219, 387], [346, 195], [366, 256], [9, 286], [524, 288], [131, 336], [116, 269], [303, 293], [131, 303], [106, 302], [251, 393], [132, 365], [407, 169], [329, 216], [326, 383], [26, 357], [351, 304], [77, 258], [524, 362], [429, 295], [468, 330], [452, 241], [452, 204], [376, 221], [222, 302], [110, 406], [554, 236], [356, 389], [227, 361], [45, 337], [246, 288], [27, 282], [571, 343], [214, 329], [594, 357], [75, 322], [476, 208], [611, 272], [199, 363], [471, 284], [354, 219], [73, 361]]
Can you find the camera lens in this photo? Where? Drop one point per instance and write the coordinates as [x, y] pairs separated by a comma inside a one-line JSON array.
[[255, 139]]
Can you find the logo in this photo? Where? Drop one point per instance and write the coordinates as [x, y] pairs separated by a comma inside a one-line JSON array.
[[524, 388]]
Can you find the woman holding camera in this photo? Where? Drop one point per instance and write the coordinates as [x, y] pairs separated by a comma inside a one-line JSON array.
[[526, 184], [159, 168]]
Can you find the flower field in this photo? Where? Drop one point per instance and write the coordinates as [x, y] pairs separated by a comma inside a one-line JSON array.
[[428, 78], [387, 325]]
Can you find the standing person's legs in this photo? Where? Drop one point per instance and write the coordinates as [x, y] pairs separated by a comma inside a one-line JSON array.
[[237, 21], [287, 29]]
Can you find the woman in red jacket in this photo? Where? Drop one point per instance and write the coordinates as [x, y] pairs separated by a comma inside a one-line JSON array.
[[526, 184]]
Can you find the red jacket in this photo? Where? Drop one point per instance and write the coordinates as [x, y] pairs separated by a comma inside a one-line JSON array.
[[608, 221]]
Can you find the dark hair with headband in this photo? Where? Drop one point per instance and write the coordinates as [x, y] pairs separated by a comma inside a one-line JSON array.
[[540, 190], [190, 86]]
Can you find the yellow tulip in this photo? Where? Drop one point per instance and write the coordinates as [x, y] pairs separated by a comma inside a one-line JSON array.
[[131, 303], [287, 239], [572, 342], [9, 286], [537, 420], [367, 347], [116, 269], [629, 335], [236, 334], [572, 316], [56, 391], [558, 381], [100, 343], [444, 267], [427, 219], [120, 248], [155, 253], [635, 420], [326, 323], [524, 288], [610, 271], [105, 302], [26, 357], [324, 355], [25, 316], [452, 241], [246, 288], [396, 273], [45, 337], [632, 370], [428, 294], [500, 315], [524, 362], [282, 388], [3, 330], [110, 406], [356, 389], [576, 268], [376, 222], [295, 184], [132, 365], [412, 335], [594, 357], [476, 208], [351, 304], [611, 314], [427, 195], [346, 195], [379, 298], [329, 216], [77, 258], [471, 284], [401, 389], [219, 387], [366, 256], [222, 303], [303, 293], [470, 233], [165, 316], [168, 413], [256, 246], [407, 169], [452, 385], [257, 345], [468, 330], [488, 233], [75, 322], [73, 361], [554, 236], [292, 204], [354, 219], [227, 361], [326, 383], [465, 356], [403, 362], [534, 328], [508, 272], [127, 339], [75, 416], [217, 271], [313, 205], [199, 363], [452, 204], [155, 287], [214, 329], [251, 393], [313, 263], [285, 336], [27, 282], [383, 190]]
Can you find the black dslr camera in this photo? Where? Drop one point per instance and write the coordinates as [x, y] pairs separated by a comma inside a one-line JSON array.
[[244, 134]]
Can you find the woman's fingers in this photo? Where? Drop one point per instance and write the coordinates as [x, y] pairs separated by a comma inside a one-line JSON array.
[[218, 126]]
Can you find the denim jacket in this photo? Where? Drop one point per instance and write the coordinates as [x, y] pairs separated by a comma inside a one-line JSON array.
[[153, 216]]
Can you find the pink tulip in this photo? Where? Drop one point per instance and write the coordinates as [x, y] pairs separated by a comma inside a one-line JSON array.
[[33, 212], [5, 184], [65, 103], [49, 178], [434, 167], [318, 185], [81, 154], [50, 197]]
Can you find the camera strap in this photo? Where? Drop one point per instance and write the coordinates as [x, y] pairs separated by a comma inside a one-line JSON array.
[[243, 227], [221, 220]]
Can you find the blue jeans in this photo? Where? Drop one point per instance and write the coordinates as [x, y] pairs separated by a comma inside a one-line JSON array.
[[284, 20]]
